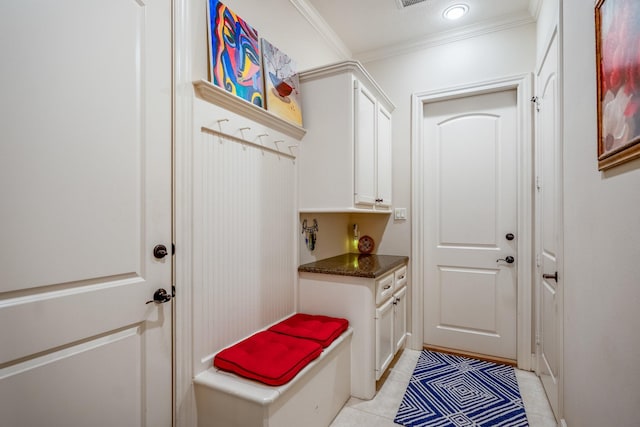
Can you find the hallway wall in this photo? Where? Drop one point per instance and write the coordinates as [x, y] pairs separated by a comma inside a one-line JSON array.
[[481, 58], [602, 250], [244, 202], [235, 208]]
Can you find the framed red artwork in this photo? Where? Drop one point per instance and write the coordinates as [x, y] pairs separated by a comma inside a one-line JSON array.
[[618, 74]]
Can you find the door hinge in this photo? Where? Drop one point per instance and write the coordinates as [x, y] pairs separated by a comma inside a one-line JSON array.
[[536, 101], [173, 248], [537, 339], [538, 260], [538, 185]]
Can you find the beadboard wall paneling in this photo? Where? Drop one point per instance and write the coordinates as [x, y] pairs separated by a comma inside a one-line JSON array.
[[244, 257]]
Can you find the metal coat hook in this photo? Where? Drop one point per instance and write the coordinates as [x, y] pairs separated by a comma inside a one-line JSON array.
[[310, 234], [278, 147], [260, 138], [220, 122], [243, 129]]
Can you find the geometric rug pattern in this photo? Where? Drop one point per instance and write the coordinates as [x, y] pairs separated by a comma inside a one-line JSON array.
[[453, 391]]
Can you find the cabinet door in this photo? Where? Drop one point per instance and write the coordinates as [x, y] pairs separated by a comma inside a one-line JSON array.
[[399, 318], [384, 166], [384, 337], [365, 154]]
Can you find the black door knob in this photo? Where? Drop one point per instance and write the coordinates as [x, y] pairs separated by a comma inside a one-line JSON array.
[[508, 259], [160, 296], [160, 251], [510, 236]]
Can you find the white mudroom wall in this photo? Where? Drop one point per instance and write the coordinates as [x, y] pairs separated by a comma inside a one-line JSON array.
[[468, 60], [484, 57], [244, 216], [235, 205], [601, 233]]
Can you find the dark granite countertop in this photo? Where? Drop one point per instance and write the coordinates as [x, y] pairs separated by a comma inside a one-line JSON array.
[[355, 265]]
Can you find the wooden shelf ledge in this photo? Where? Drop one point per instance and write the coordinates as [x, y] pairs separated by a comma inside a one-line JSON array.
[[215, 95]]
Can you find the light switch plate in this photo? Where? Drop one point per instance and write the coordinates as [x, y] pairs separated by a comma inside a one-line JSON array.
[[400, 213]]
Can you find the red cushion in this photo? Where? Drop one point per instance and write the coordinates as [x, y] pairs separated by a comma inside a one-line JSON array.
[[268, 357], [321, 329]]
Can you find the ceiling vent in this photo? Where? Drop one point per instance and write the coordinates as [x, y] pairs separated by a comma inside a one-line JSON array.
[[406, 3]]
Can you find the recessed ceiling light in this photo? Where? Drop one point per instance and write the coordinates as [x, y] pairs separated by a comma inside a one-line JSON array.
[[456, 11]]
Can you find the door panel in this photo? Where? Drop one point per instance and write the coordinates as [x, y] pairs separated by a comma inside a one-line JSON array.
[[365, 154], [548, 216], [383, 156], [385, 345], [86, 116], [72, 109], [463, 289], [467, 177], [400, 318], [470, 193], [56, 398]]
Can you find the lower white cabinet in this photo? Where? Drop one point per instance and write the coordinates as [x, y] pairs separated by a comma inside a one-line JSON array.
[[385, 344], [376, 310], [399, 318]]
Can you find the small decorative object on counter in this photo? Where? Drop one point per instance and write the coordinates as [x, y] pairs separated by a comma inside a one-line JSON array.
[[366, 245], [310, 234]]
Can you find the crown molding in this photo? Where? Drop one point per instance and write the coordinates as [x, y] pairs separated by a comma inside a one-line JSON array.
[[321, 26], [355, 68], [534, 8], [445, 37]]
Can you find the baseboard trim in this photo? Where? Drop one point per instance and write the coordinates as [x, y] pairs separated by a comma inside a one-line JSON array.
[[483, 357]]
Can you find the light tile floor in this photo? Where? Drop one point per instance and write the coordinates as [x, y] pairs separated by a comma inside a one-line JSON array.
[[381, 410]]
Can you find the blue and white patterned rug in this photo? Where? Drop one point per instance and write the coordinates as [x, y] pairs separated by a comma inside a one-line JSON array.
[[453, 391]]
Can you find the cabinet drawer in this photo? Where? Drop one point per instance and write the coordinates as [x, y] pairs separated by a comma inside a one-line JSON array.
[[400, 277], [384, 288]]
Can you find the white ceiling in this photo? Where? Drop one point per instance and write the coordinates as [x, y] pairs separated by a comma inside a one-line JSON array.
[[366, 29]]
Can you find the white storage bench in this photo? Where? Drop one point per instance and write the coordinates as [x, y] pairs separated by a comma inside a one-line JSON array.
[[313, 398]]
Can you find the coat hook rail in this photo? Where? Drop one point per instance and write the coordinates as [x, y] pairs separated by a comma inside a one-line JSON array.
[[245, 142]]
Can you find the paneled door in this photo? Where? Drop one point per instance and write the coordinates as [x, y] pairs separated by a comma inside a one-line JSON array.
[[548, 223], [470, 289], [85, 167]]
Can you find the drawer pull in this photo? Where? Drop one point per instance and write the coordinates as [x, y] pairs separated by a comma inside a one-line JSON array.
[[386, 287]]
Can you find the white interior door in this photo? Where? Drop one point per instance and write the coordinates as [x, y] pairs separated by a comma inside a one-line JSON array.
[[470, 298], [548, 224], [85, 166]]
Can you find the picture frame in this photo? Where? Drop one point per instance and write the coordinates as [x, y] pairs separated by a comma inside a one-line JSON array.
[[618, 81], [281, 84], [234, 54]]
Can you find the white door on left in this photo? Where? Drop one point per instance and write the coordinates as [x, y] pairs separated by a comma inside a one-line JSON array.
[[85, 167]]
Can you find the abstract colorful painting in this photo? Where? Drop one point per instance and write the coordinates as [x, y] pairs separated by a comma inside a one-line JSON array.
[[234, 51], [618, 68], [281, 83]]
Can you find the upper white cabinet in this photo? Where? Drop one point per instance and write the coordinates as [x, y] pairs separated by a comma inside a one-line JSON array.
[[345, 159]]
